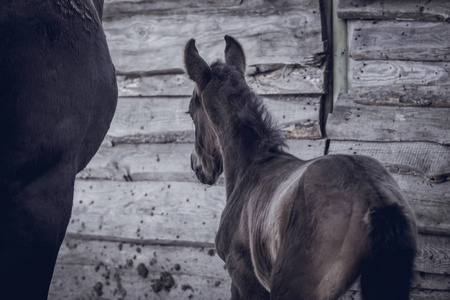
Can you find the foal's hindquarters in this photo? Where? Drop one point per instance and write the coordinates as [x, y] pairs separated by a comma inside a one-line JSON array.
[[330, 221]]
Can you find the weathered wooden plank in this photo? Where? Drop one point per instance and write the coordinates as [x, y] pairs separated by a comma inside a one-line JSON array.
[[286, 79], [142, 210], [137, 162], [399, 40], [306, 149], [430, 202], [387, 72], [144, 42], [164, 119], [116, 9], [416, 158], [424, 10], [114, 270], [278, 79], [165, 162], [122, 8], [400, 82], [429, 281], [92, 269], [420, 294], [184, 211], [352, 121], [434, 254]]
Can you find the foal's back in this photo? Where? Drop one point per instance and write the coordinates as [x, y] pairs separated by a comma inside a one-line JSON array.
[[328, 221]]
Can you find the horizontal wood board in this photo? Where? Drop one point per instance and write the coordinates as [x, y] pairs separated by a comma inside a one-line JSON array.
[[424, 10], [165, 162], [114, 270], [91, 269], [353, 121], [429, 160], [403, 83], [164, 119], [153, 40], [264, 80], [183, 211], [398, 40]]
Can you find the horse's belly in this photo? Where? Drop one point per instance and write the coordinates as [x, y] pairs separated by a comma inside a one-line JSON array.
[[57, 91]]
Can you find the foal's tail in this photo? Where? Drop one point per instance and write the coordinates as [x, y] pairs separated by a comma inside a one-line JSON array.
[[389, 272]]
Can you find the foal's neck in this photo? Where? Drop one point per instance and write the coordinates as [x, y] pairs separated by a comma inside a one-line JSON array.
[[247, 139]]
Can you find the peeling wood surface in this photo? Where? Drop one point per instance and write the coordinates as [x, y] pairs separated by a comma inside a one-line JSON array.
[[399, 40], [424, 10], [352, 121], [405, 83], [162, 119], [146, 41], [429, 160]]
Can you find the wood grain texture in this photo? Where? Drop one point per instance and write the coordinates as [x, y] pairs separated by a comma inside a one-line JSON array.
[[189, 211], [160, 119], [429, 160], [405, 83], [430, 203], [165, 162], [92, 269], [173, 211], [113, 270], [154, 40], [273, 80], [399, 40], [116, 9], [424, 10], [123, 8], [434, 254], [352, 121]]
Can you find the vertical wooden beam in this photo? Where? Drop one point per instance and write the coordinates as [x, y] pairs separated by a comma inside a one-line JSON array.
[[327, 38], [339, 54]]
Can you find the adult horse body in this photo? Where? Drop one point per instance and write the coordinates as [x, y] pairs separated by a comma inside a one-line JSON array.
[[58, 94], [293, 229]]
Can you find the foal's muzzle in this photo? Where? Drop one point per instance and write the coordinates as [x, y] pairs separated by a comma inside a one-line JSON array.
[[197, 167]]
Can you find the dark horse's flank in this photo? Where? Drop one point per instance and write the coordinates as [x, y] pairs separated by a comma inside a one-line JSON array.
[[58, 94], [293, 229]]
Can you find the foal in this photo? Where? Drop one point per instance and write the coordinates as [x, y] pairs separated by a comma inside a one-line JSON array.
[[293, 229]]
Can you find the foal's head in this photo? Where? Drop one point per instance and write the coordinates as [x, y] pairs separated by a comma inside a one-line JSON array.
[[208, 107], [223, 106]]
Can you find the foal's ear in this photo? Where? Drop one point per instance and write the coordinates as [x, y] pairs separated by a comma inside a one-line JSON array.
[[197, 69], [234, 54]]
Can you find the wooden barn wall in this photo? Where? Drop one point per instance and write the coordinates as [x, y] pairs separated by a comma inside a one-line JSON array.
[[142, 227], [397, 110]]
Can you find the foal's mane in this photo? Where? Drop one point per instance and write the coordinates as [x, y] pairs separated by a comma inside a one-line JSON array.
[[250, 108]]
